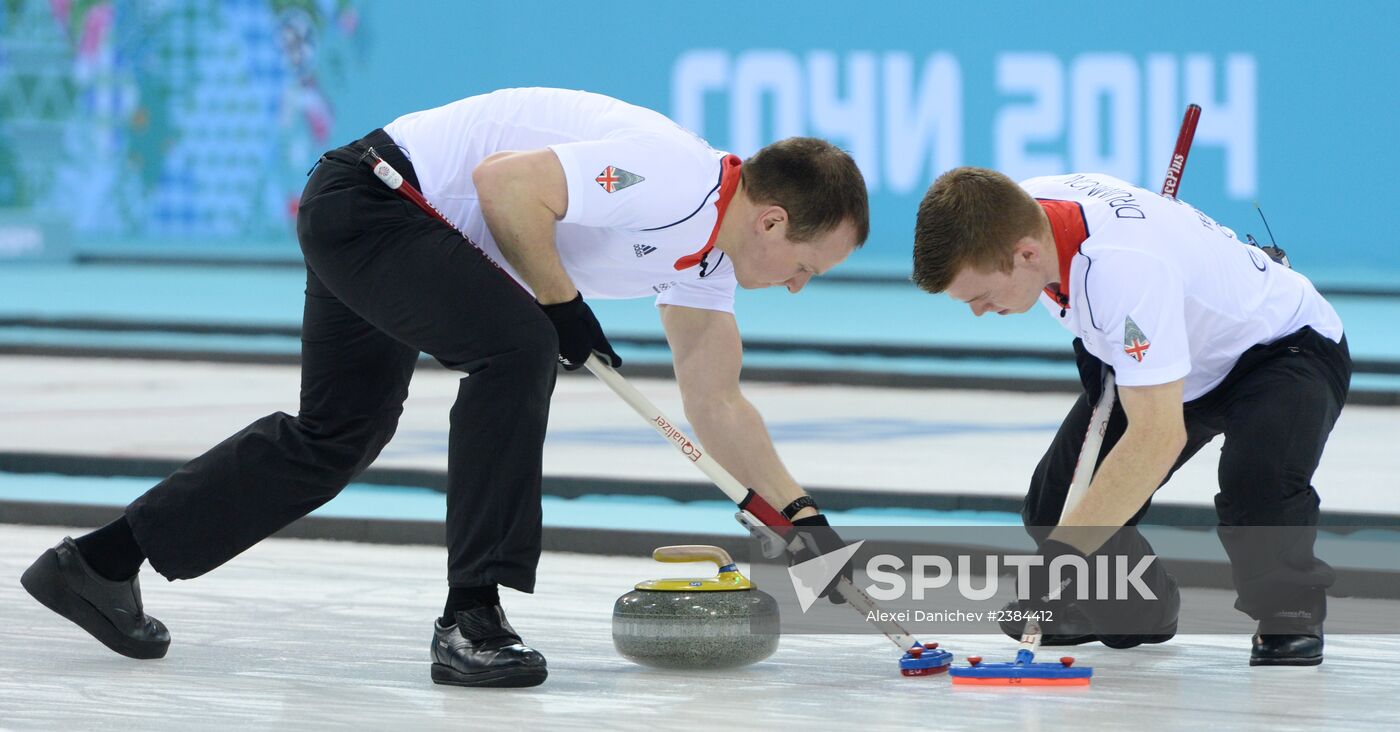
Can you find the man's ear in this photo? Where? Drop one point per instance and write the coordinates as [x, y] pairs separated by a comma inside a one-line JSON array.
[[771, 217], [1027, 250]]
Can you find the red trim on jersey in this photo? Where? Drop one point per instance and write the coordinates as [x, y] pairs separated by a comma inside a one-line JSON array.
[[1070, 229], [728, 184]]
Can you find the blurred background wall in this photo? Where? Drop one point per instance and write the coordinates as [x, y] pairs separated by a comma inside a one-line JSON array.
[[152, 154], [175, 127]]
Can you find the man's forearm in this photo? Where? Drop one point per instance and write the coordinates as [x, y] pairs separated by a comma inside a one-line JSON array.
[[734, 434], [525, 234], [522, 195], [1126, 479]]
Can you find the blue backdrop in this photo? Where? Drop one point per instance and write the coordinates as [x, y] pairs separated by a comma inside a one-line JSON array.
[[1300, 101]]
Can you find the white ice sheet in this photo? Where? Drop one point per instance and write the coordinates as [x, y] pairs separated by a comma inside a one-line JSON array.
[[321, 635]]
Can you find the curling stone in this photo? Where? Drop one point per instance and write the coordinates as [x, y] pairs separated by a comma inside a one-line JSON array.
[[696, 623]]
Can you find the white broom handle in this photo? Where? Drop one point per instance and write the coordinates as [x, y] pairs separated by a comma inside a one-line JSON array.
[[1093, 444], [666, 428]]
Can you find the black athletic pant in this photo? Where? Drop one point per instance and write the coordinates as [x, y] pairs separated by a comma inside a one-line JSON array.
[[1275, 408], [384, 281]]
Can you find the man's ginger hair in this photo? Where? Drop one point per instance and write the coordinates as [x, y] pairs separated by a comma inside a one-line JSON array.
[[970, 217]]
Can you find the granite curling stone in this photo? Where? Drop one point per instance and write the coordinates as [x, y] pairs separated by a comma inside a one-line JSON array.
[[710, 623]]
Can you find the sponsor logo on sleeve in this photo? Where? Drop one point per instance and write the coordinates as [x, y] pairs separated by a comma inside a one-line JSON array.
[[1135, 342], [614, 179]]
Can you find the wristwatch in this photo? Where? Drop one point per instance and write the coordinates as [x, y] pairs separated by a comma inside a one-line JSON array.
[[797, 505]]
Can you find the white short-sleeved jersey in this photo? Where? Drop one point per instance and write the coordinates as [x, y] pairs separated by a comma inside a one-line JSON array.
[[645, 195], [1160, 291]]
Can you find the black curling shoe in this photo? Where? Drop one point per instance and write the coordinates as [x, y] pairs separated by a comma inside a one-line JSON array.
[[109, 610], [1073, 627], [1287, 646], [483, 650], [1167, 609]]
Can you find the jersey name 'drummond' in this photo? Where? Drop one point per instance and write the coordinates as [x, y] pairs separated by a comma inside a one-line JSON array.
[[1122, 200]]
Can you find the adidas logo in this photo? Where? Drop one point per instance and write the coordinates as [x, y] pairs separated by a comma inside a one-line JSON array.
[[643, 249]]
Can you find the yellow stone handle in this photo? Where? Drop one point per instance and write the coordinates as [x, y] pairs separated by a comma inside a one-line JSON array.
[[692, 553]]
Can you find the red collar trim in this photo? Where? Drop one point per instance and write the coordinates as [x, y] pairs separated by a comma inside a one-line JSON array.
[[728, 184], [1070, 229]]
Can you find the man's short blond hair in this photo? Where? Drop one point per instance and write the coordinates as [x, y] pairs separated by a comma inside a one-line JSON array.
[[817, 183], [970, 217]]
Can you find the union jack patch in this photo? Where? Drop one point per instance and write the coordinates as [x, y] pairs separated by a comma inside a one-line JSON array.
[[615, 179], [1135, 342]]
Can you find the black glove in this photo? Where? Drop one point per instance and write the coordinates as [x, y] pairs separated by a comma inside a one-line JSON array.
[[1039, 592], [579, 333], [819, 538]]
